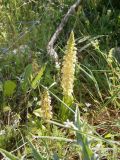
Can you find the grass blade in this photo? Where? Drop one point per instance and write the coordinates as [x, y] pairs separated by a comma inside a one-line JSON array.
[[8, 155]]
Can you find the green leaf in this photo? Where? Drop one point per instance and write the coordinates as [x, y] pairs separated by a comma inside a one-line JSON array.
[[65, 112], [37, 112], [38, 77], [109, 135], [36, 154], [9, 87], [27, 77], [8, 155], [82, 139]]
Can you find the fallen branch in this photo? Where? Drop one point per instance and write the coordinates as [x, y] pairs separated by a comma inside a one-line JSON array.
[[50, 47]]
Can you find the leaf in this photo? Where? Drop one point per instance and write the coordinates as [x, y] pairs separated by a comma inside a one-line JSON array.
[[65, 112], [38, 77], [9, 87], [82, 139], [78, 124], [38, 112], [36, 154], [109, 135], [27, 75], [8, 155]]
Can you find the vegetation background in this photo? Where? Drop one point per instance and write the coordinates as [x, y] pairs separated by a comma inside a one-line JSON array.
[[37, 120]]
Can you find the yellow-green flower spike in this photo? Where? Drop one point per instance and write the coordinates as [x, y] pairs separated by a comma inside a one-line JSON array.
[[68, 67], [46, 107]]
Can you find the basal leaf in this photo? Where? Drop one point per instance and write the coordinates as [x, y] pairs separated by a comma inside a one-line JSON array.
[[9, 88]]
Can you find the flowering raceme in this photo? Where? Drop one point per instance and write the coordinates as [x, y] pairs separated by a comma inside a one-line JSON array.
[[68, 67], [46, 107]]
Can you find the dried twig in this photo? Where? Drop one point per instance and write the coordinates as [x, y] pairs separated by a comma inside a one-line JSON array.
[[50, 47]]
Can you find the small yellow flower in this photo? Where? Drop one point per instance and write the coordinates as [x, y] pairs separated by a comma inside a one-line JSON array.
[[46, 107], [68, 67]]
